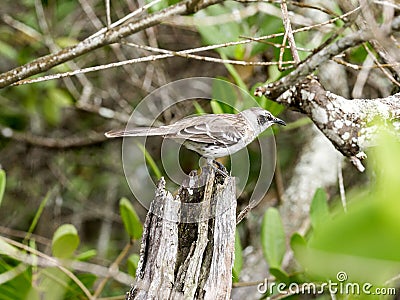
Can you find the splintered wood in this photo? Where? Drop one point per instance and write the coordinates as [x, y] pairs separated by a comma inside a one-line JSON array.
[[187, 249]]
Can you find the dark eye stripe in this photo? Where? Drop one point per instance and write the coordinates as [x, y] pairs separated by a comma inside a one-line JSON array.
[[261, 120]]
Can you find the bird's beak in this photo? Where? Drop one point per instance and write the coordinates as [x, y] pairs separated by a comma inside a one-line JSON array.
[[279, 121]]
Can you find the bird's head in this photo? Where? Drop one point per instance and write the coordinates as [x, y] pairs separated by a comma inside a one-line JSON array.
[[261, 119]]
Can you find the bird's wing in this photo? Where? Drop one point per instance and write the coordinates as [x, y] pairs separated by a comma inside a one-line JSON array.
[[222, 130]]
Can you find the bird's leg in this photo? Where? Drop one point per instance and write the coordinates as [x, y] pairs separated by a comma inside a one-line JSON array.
[[220, 167]]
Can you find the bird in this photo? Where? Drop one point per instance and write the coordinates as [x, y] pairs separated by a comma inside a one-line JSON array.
[[210, 135]]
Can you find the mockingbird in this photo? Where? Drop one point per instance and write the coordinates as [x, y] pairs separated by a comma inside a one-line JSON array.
[[211, 135]]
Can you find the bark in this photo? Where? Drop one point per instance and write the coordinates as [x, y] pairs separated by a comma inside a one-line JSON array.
[[347, 123], [93, 42], [181, 260]]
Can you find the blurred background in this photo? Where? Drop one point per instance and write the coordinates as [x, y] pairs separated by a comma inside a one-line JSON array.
[[60, 169]]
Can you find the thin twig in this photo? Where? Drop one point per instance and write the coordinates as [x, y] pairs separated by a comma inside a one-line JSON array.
[[276, 45], [187, 54], [127, 17], [53, 47], [122, 297], [25, 29], [168, 53], [289, 32], [22, 234], [362, 78], [95, 41], [295, 3], [282, 51], [52, 260], [108, 13], [387, 3], [380, 66], [47, 62], [112, 268], [306, 5], [57, 143], [360, 67], [249, 283], [87, 8], [341, 185]]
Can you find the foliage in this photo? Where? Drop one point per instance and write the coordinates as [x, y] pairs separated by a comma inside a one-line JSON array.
[[27, 273], [273, 238], [2, 184], [238, 263], [361, 244], [69, 195], [130, 219]]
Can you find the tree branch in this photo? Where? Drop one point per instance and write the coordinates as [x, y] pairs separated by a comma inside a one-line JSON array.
[[345, 122], [57, 143], [275, 89], [91, 43]]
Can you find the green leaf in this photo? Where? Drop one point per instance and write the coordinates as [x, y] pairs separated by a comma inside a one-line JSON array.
[[131, 221], [60, 97], [37, 215], [226, 32], [280, 275], [74, 292], [319, 211], [237, 265], [297, 242], [133, 261], [232, 71], [223, 94], [273, 238], [16, 279], [54, 102], [65, 241], [8, 51], [2, 184], [150, 161], [216, 107], [198, 108], [84, 256], [51, 111], [53, 283]]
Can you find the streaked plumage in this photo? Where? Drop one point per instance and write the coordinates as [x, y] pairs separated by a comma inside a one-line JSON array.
[[213, 135]]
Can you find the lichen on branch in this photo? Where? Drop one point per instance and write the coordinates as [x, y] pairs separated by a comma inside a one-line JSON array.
[[350, 124]]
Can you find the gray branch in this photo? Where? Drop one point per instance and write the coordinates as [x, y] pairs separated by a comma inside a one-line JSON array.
[[345, 122], [312, 63], [111, 36]]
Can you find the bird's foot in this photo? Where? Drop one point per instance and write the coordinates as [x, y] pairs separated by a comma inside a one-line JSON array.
[[220, 167]]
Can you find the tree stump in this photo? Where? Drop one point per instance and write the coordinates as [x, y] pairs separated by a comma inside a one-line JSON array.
[[187, 248]]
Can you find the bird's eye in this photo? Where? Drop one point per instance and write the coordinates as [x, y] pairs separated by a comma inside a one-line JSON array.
[[262, 119]]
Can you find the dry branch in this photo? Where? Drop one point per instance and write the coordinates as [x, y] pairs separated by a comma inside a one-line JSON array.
[[274, 90], [345, 122], [181, 260], [87, 139], [113, 35]]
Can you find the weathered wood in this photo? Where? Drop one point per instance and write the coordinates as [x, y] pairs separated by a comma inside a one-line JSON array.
[[187, 248]]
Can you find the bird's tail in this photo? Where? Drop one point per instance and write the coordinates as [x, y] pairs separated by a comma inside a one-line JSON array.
[[138, 131]]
